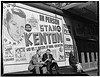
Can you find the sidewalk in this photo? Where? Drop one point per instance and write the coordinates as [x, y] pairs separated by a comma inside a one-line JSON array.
[[64, 71], [92, 72]]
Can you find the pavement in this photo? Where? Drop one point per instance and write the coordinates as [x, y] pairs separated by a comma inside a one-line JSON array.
[[64, 71], [92, 72]]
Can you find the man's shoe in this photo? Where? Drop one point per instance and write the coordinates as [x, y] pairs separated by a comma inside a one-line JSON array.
[[46, 73], [58, 73]]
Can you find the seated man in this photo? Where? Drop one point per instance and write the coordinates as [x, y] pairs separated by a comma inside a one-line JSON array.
[[74, 62], [49, 61], [37, 64]]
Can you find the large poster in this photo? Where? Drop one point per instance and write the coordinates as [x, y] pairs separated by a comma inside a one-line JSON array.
[[68, 42], [24, 31]]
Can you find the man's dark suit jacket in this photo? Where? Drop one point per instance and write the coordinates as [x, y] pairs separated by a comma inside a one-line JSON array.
[[72, 59], [45, 57]]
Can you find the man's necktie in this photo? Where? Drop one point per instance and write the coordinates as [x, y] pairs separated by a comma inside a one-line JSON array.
[[38, 58], [48, 56]]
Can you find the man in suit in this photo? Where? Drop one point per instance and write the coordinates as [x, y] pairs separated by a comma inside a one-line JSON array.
[[49, 61], [37, 63], [74, 62]]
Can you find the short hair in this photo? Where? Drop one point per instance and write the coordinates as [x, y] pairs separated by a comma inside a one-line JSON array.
[[18, 12], [38, 50], [59, 27], [48, 50]]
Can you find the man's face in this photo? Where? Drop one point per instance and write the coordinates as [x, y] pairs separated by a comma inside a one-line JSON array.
[[58, 28], [38, 52], [16, 27], [72, 52], [47, 52]]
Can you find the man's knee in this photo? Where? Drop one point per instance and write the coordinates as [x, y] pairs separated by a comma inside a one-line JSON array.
[[54, 63], [37, 69], [74, 67], [44, 69]]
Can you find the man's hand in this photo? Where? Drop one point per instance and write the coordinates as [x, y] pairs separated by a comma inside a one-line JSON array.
[[47, 60], [42, 62], [54, 61]]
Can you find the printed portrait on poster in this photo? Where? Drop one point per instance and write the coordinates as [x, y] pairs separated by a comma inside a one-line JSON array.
[[61, 53], [14, 24], [14, 20]]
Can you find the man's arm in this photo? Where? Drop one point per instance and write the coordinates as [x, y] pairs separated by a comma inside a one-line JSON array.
[[35, 61], [52, 57], [44, 57]]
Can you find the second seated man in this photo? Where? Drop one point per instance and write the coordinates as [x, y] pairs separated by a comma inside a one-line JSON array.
[[50, 61]]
